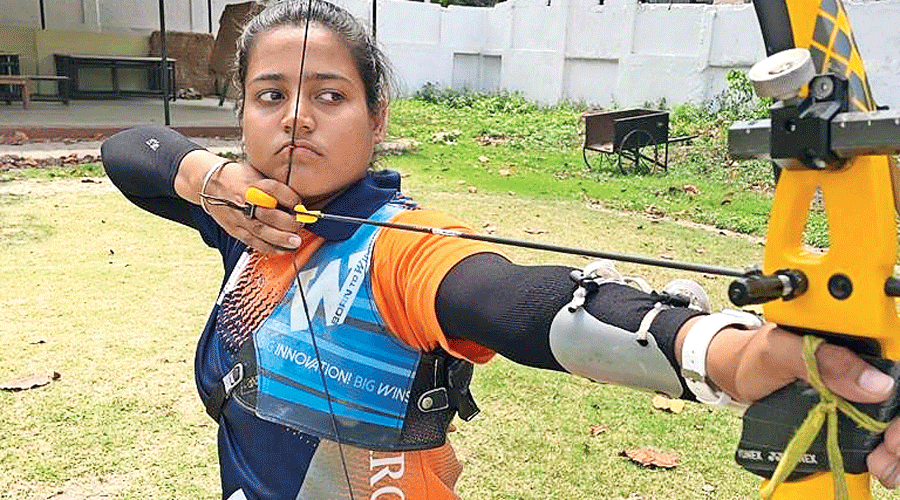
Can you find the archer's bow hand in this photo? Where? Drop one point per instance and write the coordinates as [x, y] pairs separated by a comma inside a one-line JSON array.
[[751, 364]]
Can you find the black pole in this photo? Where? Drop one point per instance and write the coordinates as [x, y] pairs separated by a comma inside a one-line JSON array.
[[209, 13], [165, 60], [374, 18], [43, 16]]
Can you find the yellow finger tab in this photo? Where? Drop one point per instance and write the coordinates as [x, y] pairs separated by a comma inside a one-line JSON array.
[[305, 216], [260, 198]]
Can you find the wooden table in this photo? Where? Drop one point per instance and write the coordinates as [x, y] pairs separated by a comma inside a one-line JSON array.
[[24, 82]]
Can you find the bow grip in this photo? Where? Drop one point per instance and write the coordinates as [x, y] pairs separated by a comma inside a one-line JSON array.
[[771, 422]]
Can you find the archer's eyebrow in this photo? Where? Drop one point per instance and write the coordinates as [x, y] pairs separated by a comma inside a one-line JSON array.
[[267, 77], [325, 76], [319, 75]]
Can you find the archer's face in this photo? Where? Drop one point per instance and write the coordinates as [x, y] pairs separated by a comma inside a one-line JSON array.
[[335, 134]]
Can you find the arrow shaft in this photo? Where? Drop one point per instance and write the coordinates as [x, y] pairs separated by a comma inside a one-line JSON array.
[[499, 240]]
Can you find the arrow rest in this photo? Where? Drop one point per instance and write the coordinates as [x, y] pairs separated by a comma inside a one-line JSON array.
[[757, 288]]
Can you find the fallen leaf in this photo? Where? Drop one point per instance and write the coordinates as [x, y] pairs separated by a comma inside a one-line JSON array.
[[483, 159], [535, 231], [473, 189], [708, 489], [491, 139], [489, 228], [664, 403], [690, 189], [461, 182], [654, 211], [30, 382], [598, 429], [648, 457], [504, 172]]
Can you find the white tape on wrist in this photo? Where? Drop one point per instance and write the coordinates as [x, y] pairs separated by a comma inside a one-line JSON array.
[[696, 346]]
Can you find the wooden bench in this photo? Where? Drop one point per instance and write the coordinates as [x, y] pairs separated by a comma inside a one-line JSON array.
[[24, 81]]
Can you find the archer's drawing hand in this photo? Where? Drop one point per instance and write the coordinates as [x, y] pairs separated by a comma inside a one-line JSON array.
[[268, 230], [764, 360]]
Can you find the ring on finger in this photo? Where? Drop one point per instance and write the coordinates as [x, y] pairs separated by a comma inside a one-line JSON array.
[[250, 210]]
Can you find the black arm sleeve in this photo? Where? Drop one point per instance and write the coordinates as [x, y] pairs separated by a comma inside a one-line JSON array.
[[509, 308], [142, 162]]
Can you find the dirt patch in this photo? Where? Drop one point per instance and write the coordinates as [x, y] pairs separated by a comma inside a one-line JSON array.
[[14, 162], [90, 488], [50, 187], [681, 222]]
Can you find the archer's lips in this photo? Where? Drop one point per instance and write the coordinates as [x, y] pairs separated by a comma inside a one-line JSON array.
[[300, 146]]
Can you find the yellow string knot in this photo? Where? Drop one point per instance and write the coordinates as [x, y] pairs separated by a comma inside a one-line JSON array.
[[825, 410]]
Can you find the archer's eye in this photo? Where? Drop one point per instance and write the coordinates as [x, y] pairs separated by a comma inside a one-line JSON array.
[[331, 96], [270, 95]]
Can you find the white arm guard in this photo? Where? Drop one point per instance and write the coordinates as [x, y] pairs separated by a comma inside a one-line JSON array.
[[601, 352]]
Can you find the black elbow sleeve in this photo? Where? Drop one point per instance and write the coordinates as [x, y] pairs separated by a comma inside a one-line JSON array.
[[143, 161]]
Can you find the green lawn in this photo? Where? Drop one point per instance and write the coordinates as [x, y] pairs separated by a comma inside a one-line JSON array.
[[113, 300]]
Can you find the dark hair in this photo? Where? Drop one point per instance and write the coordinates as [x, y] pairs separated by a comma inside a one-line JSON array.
[[370, 61]]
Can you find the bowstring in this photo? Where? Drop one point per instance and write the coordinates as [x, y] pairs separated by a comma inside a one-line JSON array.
[[309, 321]]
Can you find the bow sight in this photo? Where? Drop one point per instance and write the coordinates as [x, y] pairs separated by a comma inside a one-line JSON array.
[[815, 132], [822, 150]]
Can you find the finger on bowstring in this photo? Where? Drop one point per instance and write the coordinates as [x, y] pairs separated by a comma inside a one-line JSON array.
[[278, 220], [283, 241], [287, 197]]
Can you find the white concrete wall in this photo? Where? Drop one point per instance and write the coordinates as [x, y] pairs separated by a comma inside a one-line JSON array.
[[113, 16], [618, 54]]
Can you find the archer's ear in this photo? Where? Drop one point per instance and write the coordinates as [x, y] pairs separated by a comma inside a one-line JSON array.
[[379, 124]]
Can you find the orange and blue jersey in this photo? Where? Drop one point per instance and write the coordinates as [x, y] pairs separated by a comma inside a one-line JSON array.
[[387, 317], [415, 285]]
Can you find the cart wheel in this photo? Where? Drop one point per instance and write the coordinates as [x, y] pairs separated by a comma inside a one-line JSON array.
[[638, 139], [598, 159]]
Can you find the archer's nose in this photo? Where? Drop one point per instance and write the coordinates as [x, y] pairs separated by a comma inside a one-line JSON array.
[[298, 115]]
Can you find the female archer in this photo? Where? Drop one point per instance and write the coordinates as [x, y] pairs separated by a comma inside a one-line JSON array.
[[337, 354]]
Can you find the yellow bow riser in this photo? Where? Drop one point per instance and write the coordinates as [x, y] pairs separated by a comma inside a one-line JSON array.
[[859, 200]]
